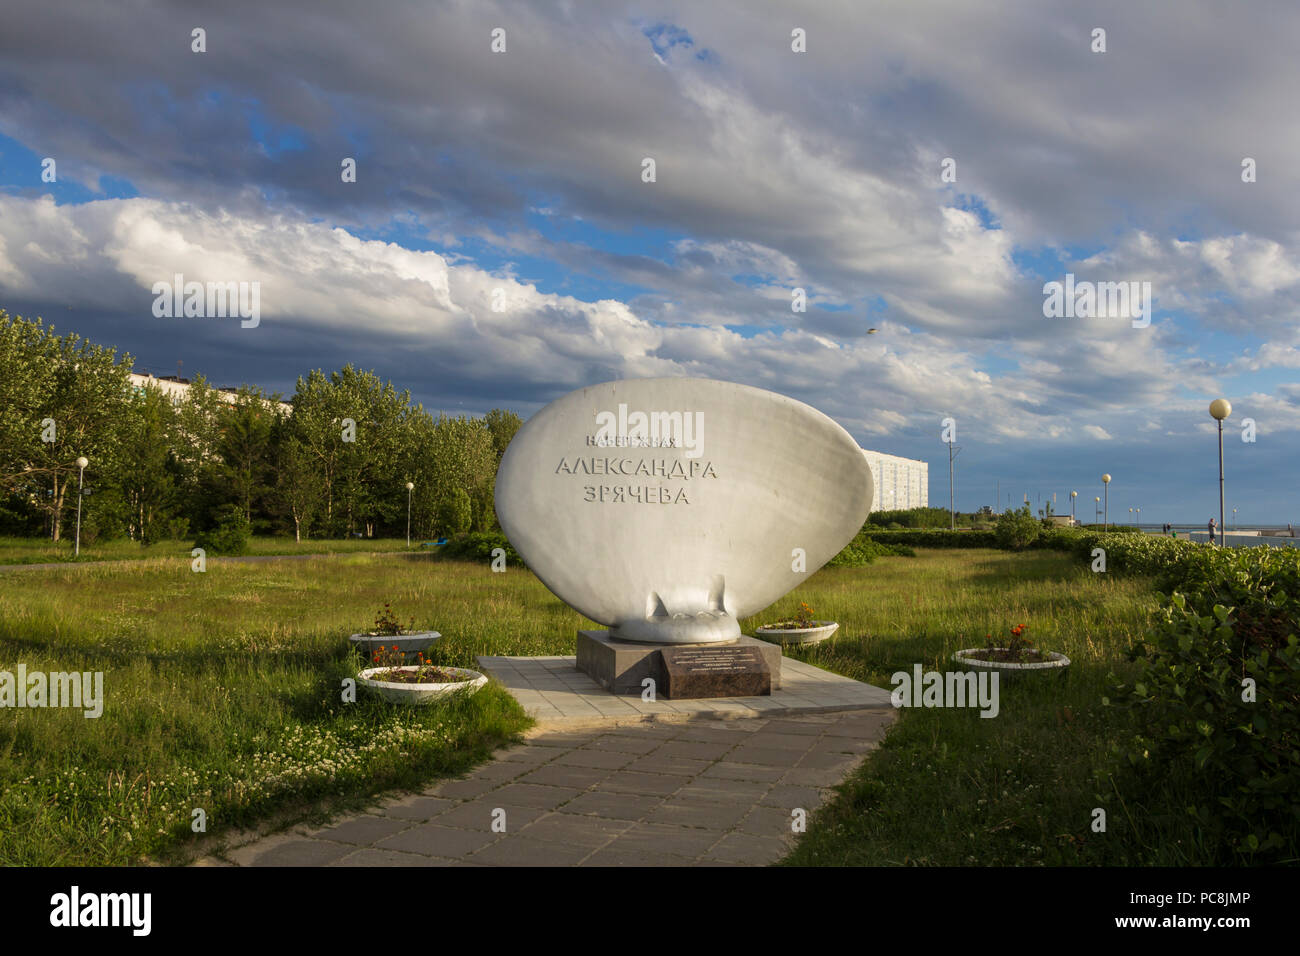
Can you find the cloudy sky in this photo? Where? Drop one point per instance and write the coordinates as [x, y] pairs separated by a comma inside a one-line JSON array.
[[920, 168]]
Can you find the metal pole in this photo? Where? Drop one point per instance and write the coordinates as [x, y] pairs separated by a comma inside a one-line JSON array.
[[408, 517], [1106, 505], [952, 515], [81, 473], [1220, 482]]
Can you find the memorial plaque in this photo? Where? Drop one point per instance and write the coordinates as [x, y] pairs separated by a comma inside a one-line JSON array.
[[714, 671]]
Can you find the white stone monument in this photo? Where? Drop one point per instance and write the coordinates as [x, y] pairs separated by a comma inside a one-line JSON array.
[[667, 509]]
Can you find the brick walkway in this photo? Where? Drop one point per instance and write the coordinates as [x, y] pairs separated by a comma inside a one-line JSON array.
[[701, 792]]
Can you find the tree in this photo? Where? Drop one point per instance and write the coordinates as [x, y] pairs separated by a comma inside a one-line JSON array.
[[244, 447], [146, 473], [60, 398], [1017, 529], [501, 425]]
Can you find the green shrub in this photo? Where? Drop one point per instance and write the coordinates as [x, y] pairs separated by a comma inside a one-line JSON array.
[[917, 538], [229, 534], [478, 546], [1018, 529], [862, 550], [1235, 755]]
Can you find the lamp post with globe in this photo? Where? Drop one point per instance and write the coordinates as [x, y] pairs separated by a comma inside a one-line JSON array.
[[1073, 495], [1105, 482], [82, 462], [410, 485], [1220, 409]]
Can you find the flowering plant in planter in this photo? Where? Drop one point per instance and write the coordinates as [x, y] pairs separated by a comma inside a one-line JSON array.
[[1012, 655], [388, 664], [803, 619], [801, 629]]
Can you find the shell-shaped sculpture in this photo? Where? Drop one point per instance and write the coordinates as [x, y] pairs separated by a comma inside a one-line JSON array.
[[668, 508]]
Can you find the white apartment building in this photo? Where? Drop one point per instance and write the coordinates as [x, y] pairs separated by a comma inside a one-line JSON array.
[[899, 482], [178, 388]]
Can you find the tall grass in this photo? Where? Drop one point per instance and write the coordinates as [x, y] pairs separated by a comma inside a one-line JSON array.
[[223, 694], [43, 551]]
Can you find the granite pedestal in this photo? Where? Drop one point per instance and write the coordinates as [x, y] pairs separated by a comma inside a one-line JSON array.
[[746, 667]]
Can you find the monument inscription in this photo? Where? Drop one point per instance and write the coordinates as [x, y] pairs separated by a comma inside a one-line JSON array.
[[714, 671]]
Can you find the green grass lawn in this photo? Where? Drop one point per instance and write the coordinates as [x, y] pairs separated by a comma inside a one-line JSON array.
[[44, 551], [223, 693]]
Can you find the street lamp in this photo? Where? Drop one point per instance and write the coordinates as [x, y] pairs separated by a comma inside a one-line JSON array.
[[1234, 519], [1073, 495], [1097, 510], [1220, 409], [409, 486], [82, 462], [1105, 481]]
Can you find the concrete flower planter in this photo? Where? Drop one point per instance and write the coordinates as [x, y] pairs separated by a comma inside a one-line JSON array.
[[410, 645], [420, 694], [1055, 663], [798, 635]]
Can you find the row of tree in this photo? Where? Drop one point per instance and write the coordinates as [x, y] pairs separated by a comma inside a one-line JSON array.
[[333, 462]]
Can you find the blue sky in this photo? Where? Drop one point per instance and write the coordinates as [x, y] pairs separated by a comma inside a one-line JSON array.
[[519, 175]]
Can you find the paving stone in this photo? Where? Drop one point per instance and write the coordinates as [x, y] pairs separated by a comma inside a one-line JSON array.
[[732, 770], [678, 766], [579, 778], [613, 806], [464, 789], [666, 840], [560, 739], [767, 756], [480, 814], [749, 849], [430, 839], [708, 751], [682, 812], [788, 797], [588, 831], [769, 821], [501, 770], [526, 754], [627, 743], [533, 795], [771, 739], [303, 852], [627, 782], [372, 857], [721, 790], [597, 759], [519, 850], [361, 830], [811, 777], [417, 809], [815, 760], [634, 858]]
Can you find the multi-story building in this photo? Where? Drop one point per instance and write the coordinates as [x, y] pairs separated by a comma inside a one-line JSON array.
[[899, 482], [178, 388]]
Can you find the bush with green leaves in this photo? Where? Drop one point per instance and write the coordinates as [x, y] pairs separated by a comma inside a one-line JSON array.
[[228, 535], [862, 550], [1217, 700], [1017, 529], [478, 546]]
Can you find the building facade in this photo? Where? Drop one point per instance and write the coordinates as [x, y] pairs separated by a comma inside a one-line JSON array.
[[899, 482]]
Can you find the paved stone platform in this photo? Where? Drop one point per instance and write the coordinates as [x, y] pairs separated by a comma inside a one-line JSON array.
[[557, 695], [696, 790]]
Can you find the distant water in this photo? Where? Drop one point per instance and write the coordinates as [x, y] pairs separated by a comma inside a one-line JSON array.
[[1203, 526]]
